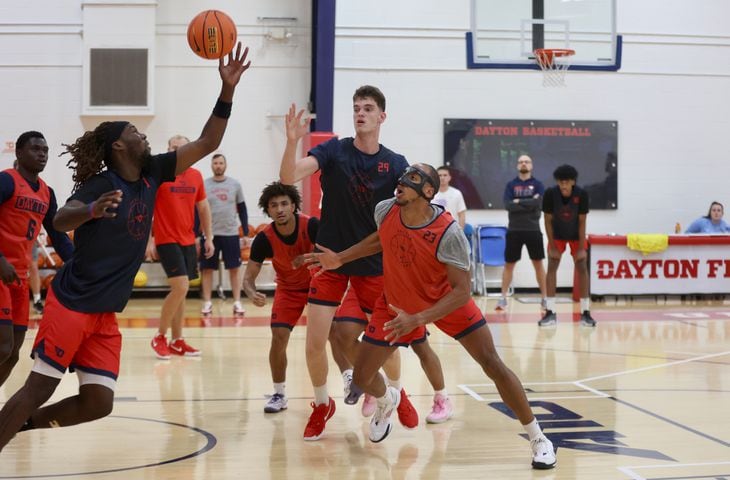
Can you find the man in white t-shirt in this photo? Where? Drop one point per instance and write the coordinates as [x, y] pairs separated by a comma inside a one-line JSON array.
[[449, 197]]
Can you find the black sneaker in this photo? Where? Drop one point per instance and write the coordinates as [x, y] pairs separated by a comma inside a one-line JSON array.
[[353, 395], [38, 307], [549, 319], [586, 320]]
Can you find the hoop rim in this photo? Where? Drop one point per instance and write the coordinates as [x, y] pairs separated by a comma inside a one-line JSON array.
[[554, 52]]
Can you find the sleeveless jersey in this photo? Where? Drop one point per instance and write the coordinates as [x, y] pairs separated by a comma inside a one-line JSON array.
[[22, 216], [288, 277], [414, 277]]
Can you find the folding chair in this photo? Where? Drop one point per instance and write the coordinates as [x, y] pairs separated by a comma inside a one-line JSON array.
[[490, 241]]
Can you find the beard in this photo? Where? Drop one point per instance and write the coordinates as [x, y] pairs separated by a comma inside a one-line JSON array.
[[145, 160]]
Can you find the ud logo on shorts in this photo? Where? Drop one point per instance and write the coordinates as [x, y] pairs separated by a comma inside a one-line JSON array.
[[59, 352], [371, 329]]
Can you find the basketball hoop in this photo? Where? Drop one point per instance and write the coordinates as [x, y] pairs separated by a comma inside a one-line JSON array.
[[554, 63]]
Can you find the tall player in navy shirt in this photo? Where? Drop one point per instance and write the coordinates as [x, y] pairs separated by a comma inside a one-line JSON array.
[[356, 174], [110, 206]]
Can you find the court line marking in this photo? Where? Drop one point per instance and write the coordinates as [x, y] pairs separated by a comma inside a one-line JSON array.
[[629, 471], [654, 367], [467, 388]]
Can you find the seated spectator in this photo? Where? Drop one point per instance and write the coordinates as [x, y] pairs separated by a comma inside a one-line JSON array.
[[710, 223]]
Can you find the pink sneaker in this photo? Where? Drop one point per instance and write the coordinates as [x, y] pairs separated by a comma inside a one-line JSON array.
[[441, 410], [159, 345], [369, 404], [179, 347]]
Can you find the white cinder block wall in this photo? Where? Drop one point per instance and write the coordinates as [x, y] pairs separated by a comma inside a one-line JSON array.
[[670, 97]]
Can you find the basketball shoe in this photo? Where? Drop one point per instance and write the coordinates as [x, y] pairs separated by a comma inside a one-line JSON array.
[[38, 307], [276, 403], [160, 346], [368, 405], [441, 411], [407, 415], [543, 454], [207, 308], [382, 422], [179, 347], [586, 320], [549, 319], [238, 310], [318, 419], [501, 304]]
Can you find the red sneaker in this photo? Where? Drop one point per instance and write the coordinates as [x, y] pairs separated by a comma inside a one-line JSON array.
[[407, 415], [179, 347], [159, 345], [318, 419]]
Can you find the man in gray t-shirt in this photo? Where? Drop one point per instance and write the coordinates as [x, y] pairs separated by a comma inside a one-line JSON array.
[[228, 210]]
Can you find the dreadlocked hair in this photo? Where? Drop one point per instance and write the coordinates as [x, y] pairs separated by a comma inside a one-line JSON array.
[[87, 154]]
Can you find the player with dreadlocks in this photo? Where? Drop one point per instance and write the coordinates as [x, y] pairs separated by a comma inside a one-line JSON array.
[[116, 180]]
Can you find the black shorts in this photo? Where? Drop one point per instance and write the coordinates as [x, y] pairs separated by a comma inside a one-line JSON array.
[[517, 238], [178, 260], [229, 246]]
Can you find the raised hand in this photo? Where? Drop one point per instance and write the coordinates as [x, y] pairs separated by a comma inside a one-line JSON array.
[[231, 72], [296, 128], [324, 260]]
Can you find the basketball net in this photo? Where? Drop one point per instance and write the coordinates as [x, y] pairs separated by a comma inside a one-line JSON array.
[[554, 63]]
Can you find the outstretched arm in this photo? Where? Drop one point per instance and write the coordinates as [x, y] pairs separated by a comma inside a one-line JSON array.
[[212, 134], [291, 169], [329, 260]]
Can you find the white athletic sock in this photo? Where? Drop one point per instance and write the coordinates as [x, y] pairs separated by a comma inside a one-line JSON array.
[[36, 297], [280, 388], [443, 393], [393, 383], [550, 303], [585, 304], [533, 429], [321, 397]]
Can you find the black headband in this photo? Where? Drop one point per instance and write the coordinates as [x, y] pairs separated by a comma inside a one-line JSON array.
[[113, 132]]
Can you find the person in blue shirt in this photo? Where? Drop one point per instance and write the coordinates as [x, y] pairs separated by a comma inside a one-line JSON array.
[[710, 223]]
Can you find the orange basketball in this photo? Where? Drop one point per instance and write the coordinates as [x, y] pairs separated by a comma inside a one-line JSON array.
[[212, 34]]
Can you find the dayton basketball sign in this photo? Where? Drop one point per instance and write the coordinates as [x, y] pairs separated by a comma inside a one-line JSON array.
[[696, 264]]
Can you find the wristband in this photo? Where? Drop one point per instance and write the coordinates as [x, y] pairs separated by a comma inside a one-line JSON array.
[[222, 109]]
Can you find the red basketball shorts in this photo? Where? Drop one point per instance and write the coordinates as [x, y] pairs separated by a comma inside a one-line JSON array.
[[89, 342], [288, 307], [329, 288], [458, 323], [350, 310], [15, 304]]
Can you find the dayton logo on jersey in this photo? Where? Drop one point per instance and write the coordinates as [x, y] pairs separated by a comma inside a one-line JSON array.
[[138, 220]]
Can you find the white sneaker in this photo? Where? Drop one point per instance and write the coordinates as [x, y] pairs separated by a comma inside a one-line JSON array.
[[347, 380], [238, 310], [543, 454], [276, 403], [207, 308], [382, 421], [369, 404]]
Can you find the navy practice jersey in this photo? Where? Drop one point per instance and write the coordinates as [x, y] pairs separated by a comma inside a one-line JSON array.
[[354, 182], [109, 251]]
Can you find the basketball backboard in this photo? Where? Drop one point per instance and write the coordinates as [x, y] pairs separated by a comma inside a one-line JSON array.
[[505, 33]]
